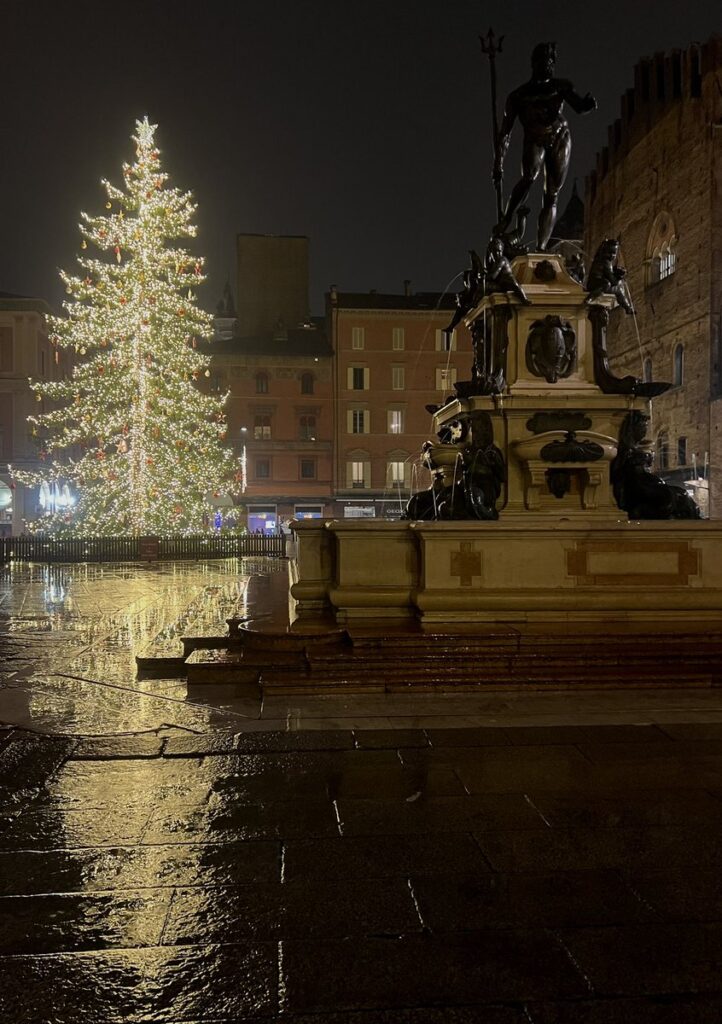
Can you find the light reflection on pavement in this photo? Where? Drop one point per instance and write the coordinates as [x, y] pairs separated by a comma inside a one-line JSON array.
[[69, 636]]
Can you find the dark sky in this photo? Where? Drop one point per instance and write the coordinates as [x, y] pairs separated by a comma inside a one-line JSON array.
[[362, 125]]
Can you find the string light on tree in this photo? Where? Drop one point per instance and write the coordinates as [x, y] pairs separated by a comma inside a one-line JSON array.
[[113, 429]]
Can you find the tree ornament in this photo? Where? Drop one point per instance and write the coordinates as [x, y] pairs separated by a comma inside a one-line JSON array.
[[83, 244], [117, 253]]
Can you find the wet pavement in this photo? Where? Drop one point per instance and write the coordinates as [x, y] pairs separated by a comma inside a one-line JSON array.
[[415, 875], [500, 858]]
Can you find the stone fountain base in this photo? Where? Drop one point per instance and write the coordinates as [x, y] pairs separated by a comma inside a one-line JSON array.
[[515, 570]]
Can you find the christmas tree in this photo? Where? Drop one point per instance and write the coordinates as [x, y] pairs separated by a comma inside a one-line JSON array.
[[130, 430]]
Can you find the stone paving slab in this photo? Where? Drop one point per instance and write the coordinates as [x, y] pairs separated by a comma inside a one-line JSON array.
[[130, 985], [309, 877], [483, 966], [662, 1010]]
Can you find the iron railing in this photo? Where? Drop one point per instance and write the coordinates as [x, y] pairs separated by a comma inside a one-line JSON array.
[[43, 548]]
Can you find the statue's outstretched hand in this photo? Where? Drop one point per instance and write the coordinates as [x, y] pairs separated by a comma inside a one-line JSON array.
[[588, 103]]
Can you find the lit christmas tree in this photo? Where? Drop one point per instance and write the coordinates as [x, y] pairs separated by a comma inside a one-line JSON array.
[[130, 431]]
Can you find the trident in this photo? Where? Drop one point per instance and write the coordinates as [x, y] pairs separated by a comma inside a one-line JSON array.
[[491, 46]]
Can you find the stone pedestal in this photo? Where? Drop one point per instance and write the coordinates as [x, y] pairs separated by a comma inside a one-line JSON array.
[[535, 570]]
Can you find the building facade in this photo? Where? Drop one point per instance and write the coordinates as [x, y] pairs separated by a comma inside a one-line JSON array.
[[657, 186], [25, 353], [390, 361], [280, 423]]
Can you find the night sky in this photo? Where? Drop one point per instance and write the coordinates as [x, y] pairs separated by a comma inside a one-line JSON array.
[[363, 125]]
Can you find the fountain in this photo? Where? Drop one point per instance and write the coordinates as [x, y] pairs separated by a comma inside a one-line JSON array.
[[543, 506], [545, 552]]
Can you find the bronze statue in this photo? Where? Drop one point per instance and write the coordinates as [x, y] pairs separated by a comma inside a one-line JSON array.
[[472, 485], [469, 295], [551, 349], [637, 490], [606, 278], [499, 277], [538, 105]]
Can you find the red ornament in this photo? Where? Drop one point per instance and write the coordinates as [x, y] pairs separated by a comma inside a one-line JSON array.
[[149, 462]]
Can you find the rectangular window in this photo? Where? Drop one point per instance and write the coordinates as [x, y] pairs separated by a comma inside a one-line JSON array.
[[358, 378], [442, 344], [681, 451], [358, 421], [445, 377], [397, 339], [308, 469], [262, 428], [307, 428], [397, 378], [357, 337], [263, 469], [357, 474], [6, 348], [395, 420], [396, 472]]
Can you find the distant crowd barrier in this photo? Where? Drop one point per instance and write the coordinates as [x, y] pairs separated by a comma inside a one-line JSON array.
[[39, 548]]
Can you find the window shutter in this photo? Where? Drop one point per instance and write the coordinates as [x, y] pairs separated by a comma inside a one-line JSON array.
[[367, 474], [367, 378], [349, 378], [349, 474]]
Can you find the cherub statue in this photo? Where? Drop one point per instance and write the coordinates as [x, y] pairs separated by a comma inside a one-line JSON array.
[[606, 278], [469, 295], [513, 244], [499, 277]]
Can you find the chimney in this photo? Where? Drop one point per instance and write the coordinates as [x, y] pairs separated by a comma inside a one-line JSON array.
[[407, 287]]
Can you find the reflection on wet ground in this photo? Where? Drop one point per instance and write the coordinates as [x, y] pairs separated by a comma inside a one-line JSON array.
[[404, 859], [69, 636], [503, 875]]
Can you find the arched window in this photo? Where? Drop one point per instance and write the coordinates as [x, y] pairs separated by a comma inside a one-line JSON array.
[[306, 383], [678, 366], [647, 369], [661, 254], [663, 451], [261, 383]]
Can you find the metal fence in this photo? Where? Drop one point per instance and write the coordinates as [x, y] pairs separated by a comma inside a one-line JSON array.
[[40, 548]]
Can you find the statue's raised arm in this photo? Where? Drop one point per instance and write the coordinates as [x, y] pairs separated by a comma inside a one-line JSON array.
[[538, 105]]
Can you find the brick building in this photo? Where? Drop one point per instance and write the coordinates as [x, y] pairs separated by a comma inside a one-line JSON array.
[[25, 352], [389, 362], [657, 186], [280, 421]]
